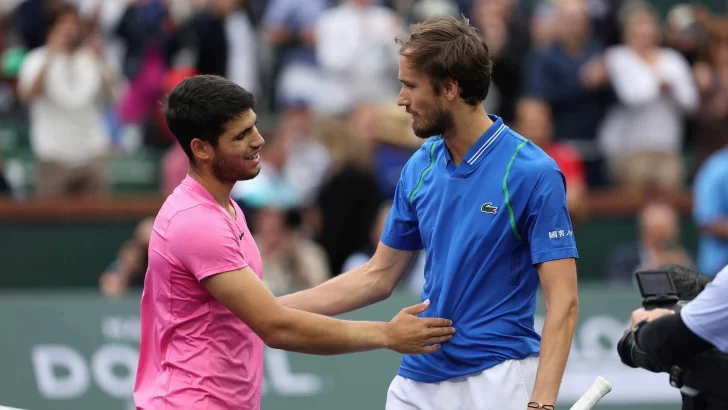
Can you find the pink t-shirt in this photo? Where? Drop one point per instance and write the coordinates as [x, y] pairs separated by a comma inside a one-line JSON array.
[[195, 353]]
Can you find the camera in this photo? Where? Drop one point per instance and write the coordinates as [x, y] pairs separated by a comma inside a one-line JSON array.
[[699, 380], [658, 290]]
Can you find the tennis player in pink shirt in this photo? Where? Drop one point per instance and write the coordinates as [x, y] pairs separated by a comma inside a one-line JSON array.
[[205, 311]]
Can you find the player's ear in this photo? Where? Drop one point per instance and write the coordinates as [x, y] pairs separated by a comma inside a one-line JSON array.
[[451, 89], [200, 149]]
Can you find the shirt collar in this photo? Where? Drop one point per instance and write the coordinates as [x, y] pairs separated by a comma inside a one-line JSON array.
[[482, 145]]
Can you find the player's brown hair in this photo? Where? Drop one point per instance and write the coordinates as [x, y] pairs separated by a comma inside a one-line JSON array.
[[448, 47]]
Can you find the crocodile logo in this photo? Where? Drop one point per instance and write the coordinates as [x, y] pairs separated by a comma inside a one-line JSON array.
[[488, 208]]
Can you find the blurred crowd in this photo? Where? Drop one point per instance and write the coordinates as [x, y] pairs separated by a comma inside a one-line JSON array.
[[617, 93]]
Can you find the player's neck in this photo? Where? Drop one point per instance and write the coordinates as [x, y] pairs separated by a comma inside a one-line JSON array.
[[220, 191], [469, 126]]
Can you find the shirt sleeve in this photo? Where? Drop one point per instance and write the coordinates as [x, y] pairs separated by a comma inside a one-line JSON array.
[[402, 229], [707, 314], [204, 245], [548, 227]]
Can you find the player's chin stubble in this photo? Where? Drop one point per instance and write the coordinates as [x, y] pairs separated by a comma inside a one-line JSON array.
[[228, 171], [441, 121]]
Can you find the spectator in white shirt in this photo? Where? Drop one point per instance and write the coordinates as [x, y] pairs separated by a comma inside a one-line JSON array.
[[642, 134], [358, 56], [65, 83]]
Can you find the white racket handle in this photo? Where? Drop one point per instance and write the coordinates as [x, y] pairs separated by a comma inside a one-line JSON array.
[[598, 389]]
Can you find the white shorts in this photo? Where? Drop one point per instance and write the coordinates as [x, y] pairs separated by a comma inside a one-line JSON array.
[[506, 386]]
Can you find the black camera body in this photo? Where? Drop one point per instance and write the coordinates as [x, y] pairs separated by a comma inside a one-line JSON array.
[[659, 291]]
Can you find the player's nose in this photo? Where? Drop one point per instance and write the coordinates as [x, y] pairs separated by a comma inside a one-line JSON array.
[[258, 141], [401, 100]]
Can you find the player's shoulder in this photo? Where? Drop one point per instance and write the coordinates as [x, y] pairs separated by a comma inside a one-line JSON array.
[[526, 158], [423, 158], [187, 215]]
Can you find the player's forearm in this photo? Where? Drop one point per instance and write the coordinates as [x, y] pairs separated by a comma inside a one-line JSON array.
[[315, 334], [558, 332], [352, 290]]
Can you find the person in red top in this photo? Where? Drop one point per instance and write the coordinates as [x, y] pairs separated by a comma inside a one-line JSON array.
[[533, 121]]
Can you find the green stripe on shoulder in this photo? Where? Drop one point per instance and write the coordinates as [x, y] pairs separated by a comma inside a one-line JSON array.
[[508, 196], [425, 171]]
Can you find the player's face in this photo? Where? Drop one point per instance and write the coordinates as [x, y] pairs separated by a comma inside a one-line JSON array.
[[427, 107], [237, 155]]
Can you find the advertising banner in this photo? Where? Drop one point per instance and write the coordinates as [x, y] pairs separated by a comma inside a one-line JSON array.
[[63, 351]]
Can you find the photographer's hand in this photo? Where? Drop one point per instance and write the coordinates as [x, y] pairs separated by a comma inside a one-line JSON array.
[[641, 314]]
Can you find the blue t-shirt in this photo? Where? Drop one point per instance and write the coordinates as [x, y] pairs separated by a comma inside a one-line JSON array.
[[711, 205], [484, 226]]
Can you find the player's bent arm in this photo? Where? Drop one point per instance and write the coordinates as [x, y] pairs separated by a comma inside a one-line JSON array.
[[368, 284], [247, 297], [558, 281]]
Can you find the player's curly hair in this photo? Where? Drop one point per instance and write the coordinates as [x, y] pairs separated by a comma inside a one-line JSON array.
[[448, 47]]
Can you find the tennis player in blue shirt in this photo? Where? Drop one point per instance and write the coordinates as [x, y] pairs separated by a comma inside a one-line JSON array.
[[489, 209]]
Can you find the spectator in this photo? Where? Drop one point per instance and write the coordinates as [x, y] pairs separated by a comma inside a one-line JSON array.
[[605, 20], [219, 39], [292, 261], [130, 267], [658, 244], [543, 25], [710, 211], [358, 56], [290, 27], [66, 83], [711, 76], [308, 161], [571, 77], [242, 44], [349, 199], [505, 30], [683, 33], [642, 134], [141, 30], [533, 121]]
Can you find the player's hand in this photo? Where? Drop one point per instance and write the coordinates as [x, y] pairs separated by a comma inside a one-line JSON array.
[[641, 314], [409, 334]]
